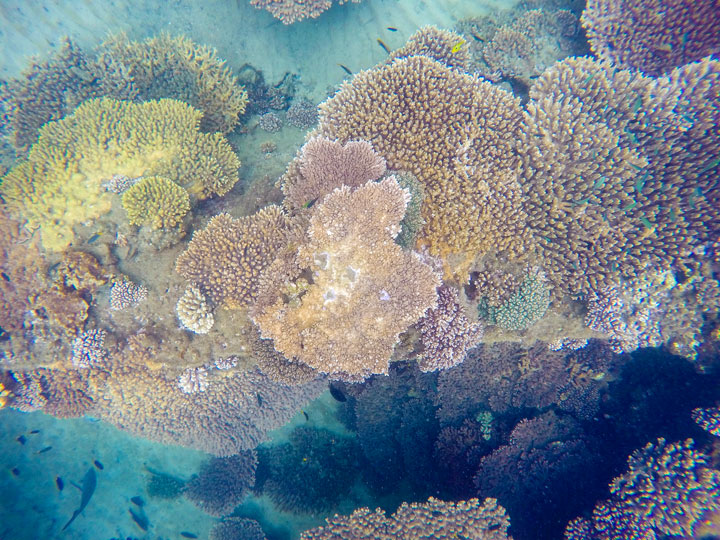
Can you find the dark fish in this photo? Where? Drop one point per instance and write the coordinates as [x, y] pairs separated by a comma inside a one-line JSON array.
[[259, 399], [21, 439], [15, 471], [309, 203], [346, 69], [186, 534], [88, 488], [46, 449], [5, 276], [137, 500], [385, 47], [142, 521], [476, 37], [392, 28], [337, 394], [99, 465], [59, 483], [53, 267], [94, 238], [34, 432], [306, 416]]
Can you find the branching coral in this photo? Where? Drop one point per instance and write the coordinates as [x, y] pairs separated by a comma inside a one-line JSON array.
[[323, 164], [157, 202], [419, 521], [222, 483], [193, 311], [290, 11], [61, 183], [523, 308], [365, 289], [456, 134], [225, 260], [653, 36], [444, 46]]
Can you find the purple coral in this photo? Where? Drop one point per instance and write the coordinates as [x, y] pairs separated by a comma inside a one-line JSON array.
[[446, 333], [88, 348]]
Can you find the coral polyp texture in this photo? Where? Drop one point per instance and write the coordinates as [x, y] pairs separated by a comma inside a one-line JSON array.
[[222, 482], [226, 259], [456, 133], [365, 289], [323, 165], [60, 185], [613, 182], [419, 521], [444, 46], [290, 11], [708, 419], [157, 202], [193, 311], [653, 36], [667, 490]]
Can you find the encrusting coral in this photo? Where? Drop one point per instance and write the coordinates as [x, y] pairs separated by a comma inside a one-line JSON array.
[[60, 185], [365, 290], [653, 36], [157, 202]]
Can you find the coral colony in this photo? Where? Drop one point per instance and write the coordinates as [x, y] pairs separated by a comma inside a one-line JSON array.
[[471, 245]]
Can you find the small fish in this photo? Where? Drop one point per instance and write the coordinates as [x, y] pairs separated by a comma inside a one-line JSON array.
[[392, 28], [645, 221], [34, 432], [307, 418], [457, 46], [629, 206], [21, 439], [94, 238], [5, 276], [88, 488], [346, 69], [337, 394], [138, 501], [637, 104], [99, 465], [186, 534], [385, 47], [59, 483], [590, 77], [53, 267], [309, 203], [15, 471], [46, 449], [259, 399], [476, 37], [142, 521]]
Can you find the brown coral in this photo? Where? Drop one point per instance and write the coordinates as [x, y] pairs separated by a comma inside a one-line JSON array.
[[290, 11], [653, 36], [444, 46], [365, 289], [225, 260], [419, 521], [456, 134]]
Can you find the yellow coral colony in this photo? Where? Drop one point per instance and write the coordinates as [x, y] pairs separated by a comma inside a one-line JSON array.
[[365, 290], [60, 184], [156, 201]]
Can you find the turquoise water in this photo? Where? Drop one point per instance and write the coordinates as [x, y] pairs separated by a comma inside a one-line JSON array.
[[256, 275]]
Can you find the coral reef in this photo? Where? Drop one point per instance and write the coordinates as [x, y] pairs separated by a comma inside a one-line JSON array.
[[157, 202], [666, 490], [270, 122], [708, 419], [222, 482], [524, 308], [231, 528], [311, 473], [103, 138], [125, 294], [365, 289], [302, 113], [193, 380], [323, 165], [88, 349], [225, 259], [456, 134], [291, 11], [419, 521], [653, 36], [193, 311], [446, 333], [444, 46]]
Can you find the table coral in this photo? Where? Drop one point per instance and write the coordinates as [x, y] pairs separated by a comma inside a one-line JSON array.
[[653, 36], [290, 11], [60, 185], [157, 202], [365, 289], [226, 258]]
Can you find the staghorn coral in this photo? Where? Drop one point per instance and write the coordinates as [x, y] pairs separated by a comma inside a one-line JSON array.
[[652, 36], [446, 333], [666, 490], [456, 134], [157, 202], [444, 46], [177, 68], [365, 289], [612, 183], [290, 11], [193, 311], [323, 165], [419, 521], [57, 189], [222, 482], [225, 260]]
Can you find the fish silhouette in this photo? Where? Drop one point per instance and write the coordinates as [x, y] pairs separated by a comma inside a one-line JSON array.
[[88, 488]]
